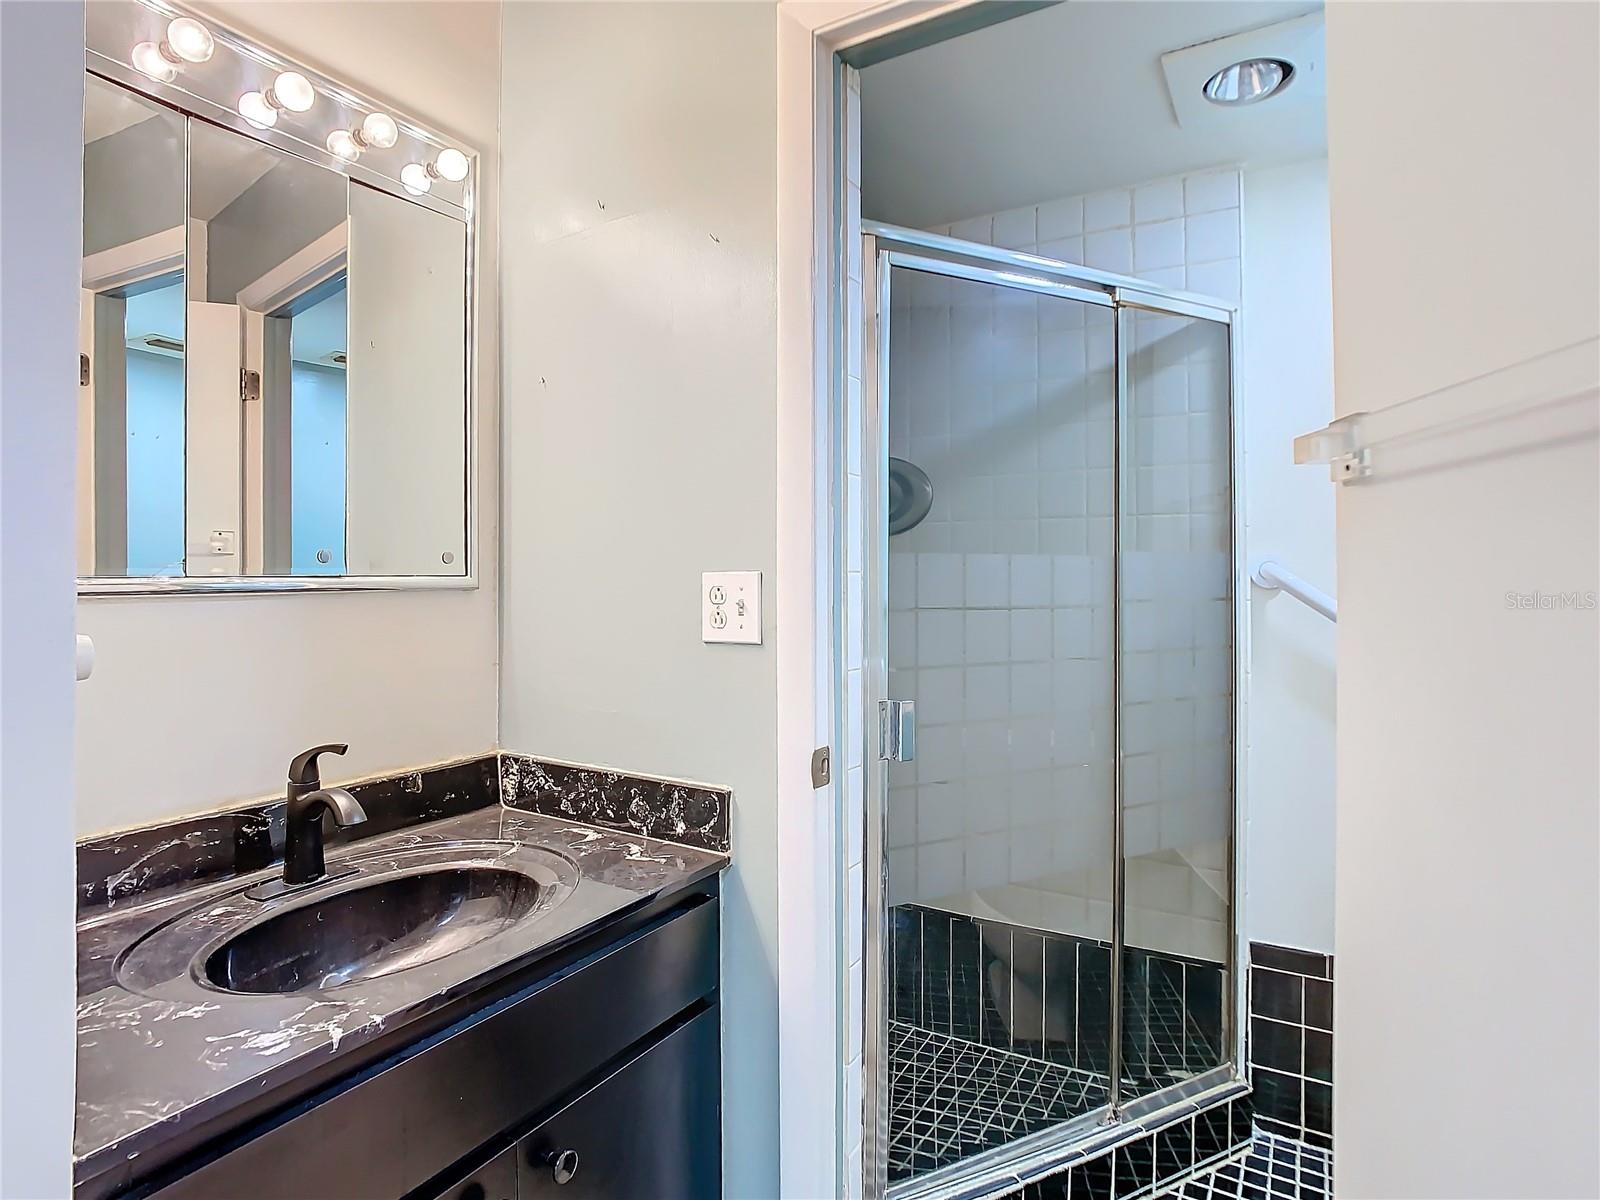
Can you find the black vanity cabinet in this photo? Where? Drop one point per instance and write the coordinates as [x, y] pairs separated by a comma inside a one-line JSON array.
[[645, 1130], [595, 1073]]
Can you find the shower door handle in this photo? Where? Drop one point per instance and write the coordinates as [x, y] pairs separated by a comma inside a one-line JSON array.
[[897, 730]]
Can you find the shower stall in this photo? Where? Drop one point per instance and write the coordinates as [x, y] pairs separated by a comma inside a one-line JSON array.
[[1051, 640]]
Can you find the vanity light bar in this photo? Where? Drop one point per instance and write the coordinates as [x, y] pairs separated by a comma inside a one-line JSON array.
[[276, 86]]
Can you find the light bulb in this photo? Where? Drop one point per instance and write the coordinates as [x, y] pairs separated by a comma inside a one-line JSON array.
[[414, 178], [378, 129], [148, 60], [343, 143], [293, 91], [452, 165], [190, 40], [253, 107], [1248, 81]]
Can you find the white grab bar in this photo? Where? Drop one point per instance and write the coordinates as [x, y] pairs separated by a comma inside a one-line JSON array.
[[1271, 576]]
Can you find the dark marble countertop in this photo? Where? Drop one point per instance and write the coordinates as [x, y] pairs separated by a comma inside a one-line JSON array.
[[151, 1067]]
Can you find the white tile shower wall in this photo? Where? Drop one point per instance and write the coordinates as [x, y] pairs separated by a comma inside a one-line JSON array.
[[999, 623]]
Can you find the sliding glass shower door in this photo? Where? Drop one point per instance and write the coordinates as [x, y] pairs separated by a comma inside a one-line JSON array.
[[1001, 422], [1175, 621], [1049, 515]]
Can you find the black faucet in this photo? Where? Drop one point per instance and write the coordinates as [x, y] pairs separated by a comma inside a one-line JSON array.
[[308, 800]]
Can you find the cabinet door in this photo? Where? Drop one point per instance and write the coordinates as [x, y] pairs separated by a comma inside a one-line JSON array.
[[495, 1180], [652, 1128]]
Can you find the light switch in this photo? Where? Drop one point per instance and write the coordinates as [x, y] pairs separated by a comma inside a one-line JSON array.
[[730, 607]]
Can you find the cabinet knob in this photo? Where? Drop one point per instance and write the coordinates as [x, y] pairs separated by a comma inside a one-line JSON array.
[[563, 1164]]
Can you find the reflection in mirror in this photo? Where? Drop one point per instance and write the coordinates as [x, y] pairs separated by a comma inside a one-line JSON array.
[[407, 414], [318, 418], [131, 337], [268, 245]]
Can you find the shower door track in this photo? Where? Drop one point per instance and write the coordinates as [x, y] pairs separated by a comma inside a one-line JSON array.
[[996, 1171], [1012, 268], [1004, 1169]]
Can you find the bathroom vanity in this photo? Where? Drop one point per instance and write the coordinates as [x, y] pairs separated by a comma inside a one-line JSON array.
[[487, 979], [493, 1004]]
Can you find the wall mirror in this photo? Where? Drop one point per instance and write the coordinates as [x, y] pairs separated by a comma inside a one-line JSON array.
[[275, 359]]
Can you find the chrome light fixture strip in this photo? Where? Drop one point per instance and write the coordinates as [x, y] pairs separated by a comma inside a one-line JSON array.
[[199, 88], [216, 113]]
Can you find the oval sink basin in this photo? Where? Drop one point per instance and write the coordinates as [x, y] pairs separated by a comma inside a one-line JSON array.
[[384, 926], [452, 909]]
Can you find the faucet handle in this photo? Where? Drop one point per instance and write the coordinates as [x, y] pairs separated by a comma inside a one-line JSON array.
[[303, 770]]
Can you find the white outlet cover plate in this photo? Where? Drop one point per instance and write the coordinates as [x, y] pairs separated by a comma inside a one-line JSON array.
[[730, 607]]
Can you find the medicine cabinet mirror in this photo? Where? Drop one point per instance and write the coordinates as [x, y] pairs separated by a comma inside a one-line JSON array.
[[275, 363]]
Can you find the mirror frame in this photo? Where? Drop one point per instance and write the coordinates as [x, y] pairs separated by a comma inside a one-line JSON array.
[[199, 94]]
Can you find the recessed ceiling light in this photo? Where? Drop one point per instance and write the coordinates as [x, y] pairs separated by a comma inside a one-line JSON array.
[[1249, 81]]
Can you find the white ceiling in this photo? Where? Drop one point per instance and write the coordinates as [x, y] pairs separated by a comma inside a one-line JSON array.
[[1067, 100]]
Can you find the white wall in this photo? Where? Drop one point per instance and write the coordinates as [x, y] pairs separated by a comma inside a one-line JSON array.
[[1286, 388], [1468, 936], [639, 285], [199, 702], [40, 105]]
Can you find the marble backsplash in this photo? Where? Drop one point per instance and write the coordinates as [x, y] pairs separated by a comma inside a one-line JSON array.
[[690, 814], [114, 867]]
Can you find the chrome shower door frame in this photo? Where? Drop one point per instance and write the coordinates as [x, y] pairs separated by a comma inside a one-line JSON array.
[[1003, 1168]]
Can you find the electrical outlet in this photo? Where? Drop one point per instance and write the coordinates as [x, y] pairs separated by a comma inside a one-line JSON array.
[[730, 607]]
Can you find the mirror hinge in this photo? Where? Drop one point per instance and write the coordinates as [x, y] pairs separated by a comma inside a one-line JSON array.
[[249, 384], [821, 767], [83, 370]]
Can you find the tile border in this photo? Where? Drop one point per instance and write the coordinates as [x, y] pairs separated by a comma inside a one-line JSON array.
[[1290, 1042]]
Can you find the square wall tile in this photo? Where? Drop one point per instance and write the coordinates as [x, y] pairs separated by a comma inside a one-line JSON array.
[[1158, 201], [1016, 229], [1156, 245], [939, 581], [988, 582], [1107, 210], [1060, 219], [974, 229], [1213, 235], [1109, 250], [1211, 190]]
